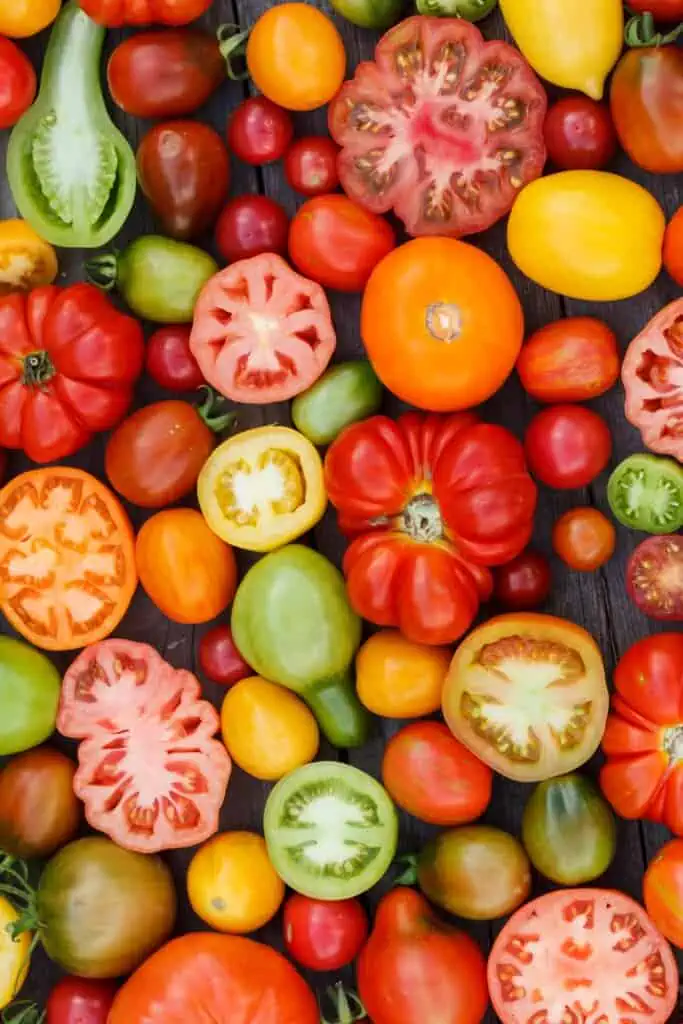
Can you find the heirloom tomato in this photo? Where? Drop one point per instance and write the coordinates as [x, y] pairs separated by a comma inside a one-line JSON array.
[[251, 225], [429, 502], [570, 360], [23, 18], [525, 582], [17, 83], [39, 811], [311, 165], [654, 578], [673, 246], [79, 1001], [584, 539], [15, 955], [442, 127], [345, 394], [114, 13], [259, 131], [645, 492], [567, 446], [663, 891], [219, 659], [169, 361], [324, 935], [652, 373], [29, 696], [397, 678], [579, 134]]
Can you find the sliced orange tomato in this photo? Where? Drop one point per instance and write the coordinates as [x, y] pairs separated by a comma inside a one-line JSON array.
[[67, 558], [26, 260]]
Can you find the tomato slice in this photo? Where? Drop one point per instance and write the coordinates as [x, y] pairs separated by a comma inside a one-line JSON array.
[[261, 332], [527, 694], [150, 774], [67, 558], [654, 578], [645, 492], [582, 956], [442, 127], [652, 373]]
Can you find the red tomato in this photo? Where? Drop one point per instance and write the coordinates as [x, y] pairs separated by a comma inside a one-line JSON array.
[[114, 13], [219, 658], [662, 10], [251, 225], [80, 1001], [261, 332], [321, 935], [654, 578], [646, 98], [432, 776], [663, 891], [311, 165], [566, 942], [570, 360], [430, 502], [584, 539], [567, 446], [151, 776], [579, 134], [673, 246], [169, 360], [337, 243], [652, 373], [259, 131], [525, 582], [17, 83], [402, 151]]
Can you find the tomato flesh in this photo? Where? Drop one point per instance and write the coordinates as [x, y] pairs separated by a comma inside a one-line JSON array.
[[655, 578], [652, 373]]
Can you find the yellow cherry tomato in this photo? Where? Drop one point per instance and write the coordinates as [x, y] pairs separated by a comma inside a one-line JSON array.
[[14, 956], [397, 678], [26, 260], [268, 731], [20, 19], [232, 884], [564, 47], [588, 235], [296, 56]]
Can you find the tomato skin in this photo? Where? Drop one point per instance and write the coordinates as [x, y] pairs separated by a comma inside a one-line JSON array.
[[38, 809], [115, 13], [170, 362], [251, 225], [571, 360], [18, 83], [311, 165], [80, 1001], [25, 18], [398, 678], [28, 260], [646, 106], [663, 891], [579, 134], [654, 578], [525, 582], [584, 539], [567, 446], [259, 131], [219, 658], [673, 246], [323, 935]]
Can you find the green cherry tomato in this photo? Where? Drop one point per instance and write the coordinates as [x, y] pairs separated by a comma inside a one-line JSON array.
[[370, 13], [348, 392], [645, 492], [29, 695], [470, 10]]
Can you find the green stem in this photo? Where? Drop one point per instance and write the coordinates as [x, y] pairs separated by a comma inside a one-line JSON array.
[[346, 1005], [23, 1013], [208, 413], [341, 716], [641, 32], [103, 271], [232, 42], [409, 864]]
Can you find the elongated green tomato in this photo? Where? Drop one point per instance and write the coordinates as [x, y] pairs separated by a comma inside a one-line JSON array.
[[370, 13], [470, 10], [645, 492], [29, 695], [71, 172], [346, 393]]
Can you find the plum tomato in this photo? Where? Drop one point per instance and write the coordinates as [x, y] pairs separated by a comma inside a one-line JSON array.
[[39, 811], [567, 446], [432, 776], [673, 246], [570, 360], [584, 539], [17, 83], [652, 374], [579, 134], [323, 935], [219, 659], [170, 362], [654, 578], [80, 1001], [311, 165], [259, 131], [250, 225], [663, 891], [525, 582]]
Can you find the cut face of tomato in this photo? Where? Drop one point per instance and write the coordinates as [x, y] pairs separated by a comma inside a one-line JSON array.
[[150, 774], [442, 127], [652, 373], [262, 333], [590, 956], [527, 694], [654, 578], [67, 559]]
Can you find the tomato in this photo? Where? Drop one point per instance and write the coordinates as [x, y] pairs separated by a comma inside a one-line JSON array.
[[662, 10], [445, 345], [584, 539], [570, 360], [654, 578], [189, 574], [663, 891], [645, 492], [15, 955], [38, 809], [311, 165], [397, 678], [567, 446], [232, 885], [261, 332], [184, 172], [525, 582], [433, 777], [579, 134], [169, 360], [651, 374], [219, 658], [379, 14], [114, 13], [566, 941], [673, 246], [150, 774], [84, 580], [323, 935], [18, 83], [29, 695], [267, 730], [429, 502], [528, 725], [407, 943], [296, 56], [345, 394], [251, 225], [80, 1001], [24, 18], [259, 131], [26, 260]]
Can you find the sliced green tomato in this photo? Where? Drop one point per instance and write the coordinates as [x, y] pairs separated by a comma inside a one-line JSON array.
[[331, 830], [645, 492]]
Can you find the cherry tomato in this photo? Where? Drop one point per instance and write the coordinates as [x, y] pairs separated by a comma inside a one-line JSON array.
[[579, 134], [662, 10], [251, 225], [17, 83], [584, 538], [567, 446], [80, 1001], [654, 578], [570, 360], [259, 131], [311, 165], [169, 360], [673, 247], [219, 659], [322, 935], [524, 582]]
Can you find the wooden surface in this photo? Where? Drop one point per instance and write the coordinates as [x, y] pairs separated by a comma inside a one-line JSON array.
[[597, 601]]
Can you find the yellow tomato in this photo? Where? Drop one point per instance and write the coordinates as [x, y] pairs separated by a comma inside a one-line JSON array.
[[588, 235], [26, 260], [296, 56], [268, 731], [20, 19], [397, 678], [565, 48], [14, 956], [232, 884]]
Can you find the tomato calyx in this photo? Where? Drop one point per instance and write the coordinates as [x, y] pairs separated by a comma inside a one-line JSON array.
[[103, 270], [421, 519], [37, 369], [232, 43], [672, 744], [640, 32], [347, 1006], [23, 1013], [208, 412]]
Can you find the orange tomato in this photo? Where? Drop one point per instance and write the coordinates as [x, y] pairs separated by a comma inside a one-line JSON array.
[[584, 539], [673, 247], [188, 572], [397, 678], [663, 891], [442, 324]]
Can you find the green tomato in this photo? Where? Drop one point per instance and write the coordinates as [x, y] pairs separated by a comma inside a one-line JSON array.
[[29, 696], [645, 492], [569, 830], [346, 393], [471, 10], [370, 13]]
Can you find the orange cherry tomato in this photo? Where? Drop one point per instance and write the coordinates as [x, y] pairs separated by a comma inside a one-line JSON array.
[[663, 891], [398, 678], [584, 538]]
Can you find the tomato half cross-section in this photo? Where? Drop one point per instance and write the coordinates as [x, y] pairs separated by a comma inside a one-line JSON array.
[[261, 332], [428, 502], [582, 955], [150, 774], [67, 558], [441, 127]]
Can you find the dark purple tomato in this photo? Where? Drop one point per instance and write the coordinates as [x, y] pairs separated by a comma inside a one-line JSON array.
[[250, 225], [311, 165], [169, 360], [580, 134], [524, 582], [259, 131], [219, 659]]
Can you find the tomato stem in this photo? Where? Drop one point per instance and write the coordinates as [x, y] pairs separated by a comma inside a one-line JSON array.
[[409, 874], [347, 1006], [208, 412], [103, 270], [672, 743], [23, 1013], [421, 519], [37, 369], [640, 31], [232, 42]]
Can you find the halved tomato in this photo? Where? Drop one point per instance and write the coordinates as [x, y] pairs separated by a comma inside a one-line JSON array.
[[589, 955], [442, 127], [652, 373], [654, 578], [150, 774], [527, 694], [261, 332], [67, 558]]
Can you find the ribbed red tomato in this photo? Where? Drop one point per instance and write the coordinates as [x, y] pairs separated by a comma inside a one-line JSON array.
[[114, 13]]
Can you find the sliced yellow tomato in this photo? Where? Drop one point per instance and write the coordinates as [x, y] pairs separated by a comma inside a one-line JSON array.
[[14, 955], [262, 488], [26, 260]]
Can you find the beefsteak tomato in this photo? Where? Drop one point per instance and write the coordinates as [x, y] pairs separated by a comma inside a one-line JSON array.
[[652, 373], [429, 502], [663, 891], [114, 13]]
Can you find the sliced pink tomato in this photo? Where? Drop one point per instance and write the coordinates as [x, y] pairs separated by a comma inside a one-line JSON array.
[[652, 373]]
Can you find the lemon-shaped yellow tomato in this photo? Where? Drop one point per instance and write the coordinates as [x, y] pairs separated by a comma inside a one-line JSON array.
[[268, 730], [14, 956], [571, 44], [588, 235]]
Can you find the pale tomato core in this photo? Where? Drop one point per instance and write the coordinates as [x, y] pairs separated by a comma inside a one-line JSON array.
[[272, 484]]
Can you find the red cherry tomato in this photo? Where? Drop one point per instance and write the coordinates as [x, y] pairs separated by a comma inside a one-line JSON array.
[[567, 446], [17, 83], [219, 659], [251, 225], [259, 131], [524, 582], [584, 538], [580, 134], [324, 936], [169, 360], [80, 1001], [662, 10], [311, 165]]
